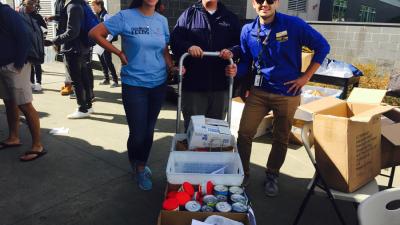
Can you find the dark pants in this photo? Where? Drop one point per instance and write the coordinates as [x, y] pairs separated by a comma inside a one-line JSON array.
[[108, 66], [36, 70], [142, 106], [77, 68], [213, 104], [89, 72]]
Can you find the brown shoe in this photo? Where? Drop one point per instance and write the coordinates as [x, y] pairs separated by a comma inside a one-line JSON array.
[[67, 90]]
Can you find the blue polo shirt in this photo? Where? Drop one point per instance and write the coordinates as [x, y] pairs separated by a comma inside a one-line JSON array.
[[144, 39], [281, 57]]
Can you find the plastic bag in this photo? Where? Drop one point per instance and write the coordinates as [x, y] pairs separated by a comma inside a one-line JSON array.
[[394, 84], [337, 68], [220, 220]]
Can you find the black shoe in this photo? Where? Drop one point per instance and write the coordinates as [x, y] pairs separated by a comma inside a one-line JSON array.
[[271, 185]]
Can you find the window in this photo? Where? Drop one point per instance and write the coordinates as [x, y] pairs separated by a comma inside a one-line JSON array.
[[297, 5], [367, 14], [339, 10]]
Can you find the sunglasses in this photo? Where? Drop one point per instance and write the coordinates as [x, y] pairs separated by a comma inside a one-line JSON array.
[[270, 2]]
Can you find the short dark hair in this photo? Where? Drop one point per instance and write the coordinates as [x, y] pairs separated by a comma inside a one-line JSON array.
[[138, 3], [99, 2]]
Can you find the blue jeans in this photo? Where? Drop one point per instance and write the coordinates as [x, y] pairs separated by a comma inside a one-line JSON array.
[[142, 106]]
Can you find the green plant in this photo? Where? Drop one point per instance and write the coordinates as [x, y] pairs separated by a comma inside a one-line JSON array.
[[374, 80]]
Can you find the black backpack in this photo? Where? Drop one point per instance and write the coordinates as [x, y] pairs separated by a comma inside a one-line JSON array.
[[2, 30], [36, 53]]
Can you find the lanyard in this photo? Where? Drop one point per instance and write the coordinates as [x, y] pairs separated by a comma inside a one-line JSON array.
[[264, 44]]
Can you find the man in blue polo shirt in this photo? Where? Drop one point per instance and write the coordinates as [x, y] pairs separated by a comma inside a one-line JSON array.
[[272, 45]]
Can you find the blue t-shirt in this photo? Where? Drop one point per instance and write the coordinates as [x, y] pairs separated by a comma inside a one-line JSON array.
[[144, 39]]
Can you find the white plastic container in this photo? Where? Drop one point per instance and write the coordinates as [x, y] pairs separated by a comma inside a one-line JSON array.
[[181, 137], [223, 168], [307, 97]]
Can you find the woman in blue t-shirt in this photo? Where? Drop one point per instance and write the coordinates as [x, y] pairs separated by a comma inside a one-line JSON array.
[[145, 61]]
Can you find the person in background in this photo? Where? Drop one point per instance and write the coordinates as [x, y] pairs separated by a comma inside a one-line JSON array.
[[272, 45], [66, 89], [145, 62], [207, 25], [15, 86], [30, 12], [105, 58], [71, 16]]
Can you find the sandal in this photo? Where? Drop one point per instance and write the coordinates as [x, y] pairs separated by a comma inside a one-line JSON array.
[[38, 155], [4, 145]]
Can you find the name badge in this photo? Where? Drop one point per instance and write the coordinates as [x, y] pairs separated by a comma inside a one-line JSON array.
[[257, 80], [282, 36]]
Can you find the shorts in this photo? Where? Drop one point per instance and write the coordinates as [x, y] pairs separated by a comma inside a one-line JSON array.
[[14, 85]]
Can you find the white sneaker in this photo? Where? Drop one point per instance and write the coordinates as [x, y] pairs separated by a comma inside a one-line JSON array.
[[37, 87], [78, 115], [90, 111], [33, 86]]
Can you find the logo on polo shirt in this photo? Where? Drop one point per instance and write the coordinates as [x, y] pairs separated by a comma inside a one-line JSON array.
[[282, 36]]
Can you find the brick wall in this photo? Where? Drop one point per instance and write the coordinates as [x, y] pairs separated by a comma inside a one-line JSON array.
[[360, 43]]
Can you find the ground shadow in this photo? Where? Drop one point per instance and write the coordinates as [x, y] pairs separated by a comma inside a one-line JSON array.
[[80, 183]]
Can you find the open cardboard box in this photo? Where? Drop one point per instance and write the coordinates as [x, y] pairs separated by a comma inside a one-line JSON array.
[[185, 217], [237, 109], [390, 143], [306, 58], [348, 137]]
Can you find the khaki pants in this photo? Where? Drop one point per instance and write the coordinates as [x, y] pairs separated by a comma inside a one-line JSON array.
[[257, 106]]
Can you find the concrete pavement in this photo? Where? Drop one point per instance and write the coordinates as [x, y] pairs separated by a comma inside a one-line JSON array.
[[85, 178]]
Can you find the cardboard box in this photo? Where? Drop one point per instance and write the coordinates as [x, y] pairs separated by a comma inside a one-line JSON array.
[[295, 133], [237, 109], [313, 93], [208, 133], [306, 60], [390, 144], [309, 94], [348, 137], [185, 218]]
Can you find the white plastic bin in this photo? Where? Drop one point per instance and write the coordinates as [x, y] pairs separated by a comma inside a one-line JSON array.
[[199, 167]]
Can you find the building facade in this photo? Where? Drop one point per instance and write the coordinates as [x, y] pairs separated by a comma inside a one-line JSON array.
[[378, 11]]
